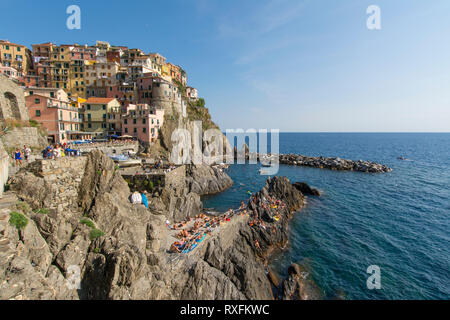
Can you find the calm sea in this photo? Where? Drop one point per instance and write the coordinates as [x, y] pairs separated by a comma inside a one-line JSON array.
[[399, 221]]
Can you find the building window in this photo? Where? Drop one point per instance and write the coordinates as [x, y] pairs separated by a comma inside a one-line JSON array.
[[37, 101], [135, 130], [143, 121], [134, 121], [89, 106], [144, 130], [38, 113], [126, 130], [125, 121], [104, 107]]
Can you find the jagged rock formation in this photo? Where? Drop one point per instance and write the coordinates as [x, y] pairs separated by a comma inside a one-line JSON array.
[[26, 269], [129, 258], [299, 286], [306, 189], [206, 180], [177, 204]]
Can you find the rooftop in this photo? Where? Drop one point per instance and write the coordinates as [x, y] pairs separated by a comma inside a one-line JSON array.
[[95, 100]]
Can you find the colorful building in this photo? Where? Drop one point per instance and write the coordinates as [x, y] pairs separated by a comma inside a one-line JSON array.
[[53, 93], [143, 122], [101, 115], [144, 88], [60, 119], [101, 74], [10, 72], [124, 93], [192, 93], [175, 72], [15, 56]]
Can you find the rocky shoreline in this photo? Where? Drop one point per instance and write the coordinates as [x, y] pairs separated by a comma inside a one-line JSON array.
[[207, 180], [79, 215]]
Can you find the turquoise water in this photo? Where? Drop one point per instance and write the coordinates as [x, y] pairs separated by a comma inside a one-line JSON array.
[[399, 221]]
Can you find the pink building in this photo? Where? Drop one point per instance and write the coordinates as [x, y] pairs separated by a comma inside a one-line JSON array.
[[143, 122], [10, 72], [60, 119], [83, 53], [124, 93], [144, 88]]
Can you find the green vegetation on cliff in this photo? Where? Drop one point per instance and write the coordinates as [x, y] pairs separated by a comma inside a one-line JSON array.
[[201, 114]]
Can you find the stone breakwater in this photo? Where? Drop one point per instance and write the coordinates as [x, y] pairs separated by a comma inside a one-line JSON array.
[[314, 162], [333, 163]]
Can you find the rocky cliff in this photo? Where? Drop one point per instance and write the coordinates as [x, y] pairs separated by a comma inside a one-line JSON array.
[[207, 180], [81, 219]]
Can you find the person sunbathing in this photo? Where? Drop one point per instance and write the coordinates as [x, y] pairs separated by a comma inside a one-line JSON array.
[[174, 248], [257, 244]]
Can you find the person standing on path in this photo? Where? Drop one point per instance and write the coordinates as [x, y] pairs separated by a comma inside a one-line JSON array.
[[18, 157], [27, 153]]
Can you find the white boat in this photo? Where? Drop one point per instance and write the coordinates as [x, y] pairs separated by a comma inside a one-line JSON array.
[[264, 172], [124, 161], [130, 163]]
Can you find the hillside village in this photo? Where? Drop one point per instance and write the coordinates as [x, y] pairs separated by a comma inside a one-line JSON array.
[[101, 91]]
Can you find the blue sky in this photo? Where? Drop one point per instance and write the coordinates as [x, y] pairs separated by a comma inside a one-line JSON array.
[[293, 65]]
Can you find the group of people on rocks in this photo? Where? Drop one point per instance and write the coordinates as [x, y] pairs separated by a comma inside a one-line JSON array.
[[20, 155], [59, 150], [201, 226], [268, 204], [193, 230]]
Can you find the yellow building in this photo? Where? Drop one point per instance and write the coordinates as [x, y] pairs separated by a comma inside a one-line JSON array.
[[102, 115], [77, 82], [165, 72], [60, 67], [15, 56]]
